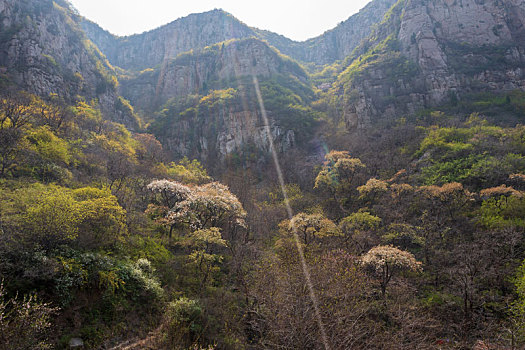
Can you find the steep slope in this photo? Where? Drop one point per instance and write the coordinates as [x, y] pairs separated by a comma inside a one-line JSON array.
[[336, 43], [203, 99], [151, 48], [427, 53], [197, 31], [44, 51], [213, 67], [207, 103]]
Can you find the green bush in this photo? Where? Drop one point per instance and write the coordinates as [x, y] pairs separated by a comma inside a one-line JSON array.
[[184, 322]]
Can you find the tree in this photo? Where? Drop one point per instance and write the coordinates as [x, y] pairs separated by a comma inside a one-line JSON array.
[[50, 154], [204, 245], [518, 308], [373, 189], [186, 171], [15, 112], [55, 113], [447, 201], [118, 151], [51, 215], [9, 142], [386, 260], [310, 226], [16, 109], [149, 150], [197, 207], [337, 176], [24, 324], [357, 228]]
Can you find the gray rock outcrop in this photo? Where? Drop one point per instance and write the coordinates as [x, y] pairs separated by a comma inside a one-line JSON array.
[[44, 51], [433, 52]]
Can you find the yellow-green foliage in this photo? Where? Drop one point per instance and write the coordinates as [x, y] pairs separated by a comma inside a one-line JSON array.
[[518, 307], [501, 212], [218, 96], [49, 146], [103, 219], [188, 172], [204, 255], [360, 221], [50, 59], [118, 141], [183, 322], [54, 216], [51, 215], [308, 227], [338, 169], [476, 153]]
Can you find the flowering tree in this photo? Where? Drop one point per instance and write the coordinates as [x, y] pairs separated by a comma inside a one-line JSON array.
[[337, 176], [199, 207], [386, 260], [309, 226]]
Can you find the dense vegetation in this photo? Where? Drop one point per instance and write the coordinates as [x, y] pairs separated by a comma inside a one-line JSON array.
[[413, 236], [407, 234]]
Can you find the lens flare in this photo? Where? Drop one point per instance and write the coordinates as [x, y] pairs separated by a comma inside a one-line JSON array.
[[300, 250]]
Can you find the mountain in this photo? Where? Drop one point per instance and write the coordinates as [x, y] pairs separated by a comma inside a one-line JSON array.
[[44, 51], [401, 146], [210, 51], [335, 44], [424, 54], [209, 59], [206, 102], [149, 49], [394, 57], [196, 31], [213, 67]]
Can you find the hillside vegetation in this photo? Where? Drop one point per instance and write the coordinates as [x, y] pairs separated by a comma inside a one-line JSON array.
[[395, 220]]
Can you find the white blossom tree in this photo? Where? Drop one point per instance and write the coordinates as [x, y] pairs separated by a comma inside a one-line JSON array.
[[386, 260], [197, 207]]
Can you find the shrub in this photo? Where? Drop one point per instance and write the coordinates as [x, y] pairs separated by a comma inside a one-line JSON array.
[[183, 322], [24, 324]]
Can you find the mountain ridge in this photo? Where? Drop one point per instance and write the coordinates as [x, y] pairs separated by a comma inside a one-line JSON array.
[[332, 45], [426, 54], [45, 52]]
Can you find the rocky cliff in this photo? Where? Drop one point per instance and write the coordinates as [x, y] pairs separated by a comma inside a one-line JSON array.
[[196, 31], [159, 75], [221, 124], [394, 59], [213, 67], [206, 102], [43, 50], [337, 43], [426, 53], [149, 49]]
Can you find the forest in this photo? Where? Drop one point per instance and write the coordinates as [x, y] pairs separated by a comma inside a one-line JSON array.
[[412, 235], [194, 188]]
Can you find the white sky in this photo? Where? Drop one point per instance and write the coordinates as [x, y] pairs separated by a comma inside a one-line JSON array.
[[295, 19]]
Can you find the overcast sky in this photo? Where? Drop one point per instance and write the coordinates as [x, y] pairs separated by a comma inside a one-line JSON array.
[[295, 19]]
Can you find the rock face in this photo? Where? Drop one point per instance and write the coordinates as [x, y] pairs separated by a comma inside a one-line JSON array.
[[214, 129], [211, 68], [196, 31], [398, 57], [432, 52], [337, 43], [224, 117], [227, 130], [44, 51], [146, 50]]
